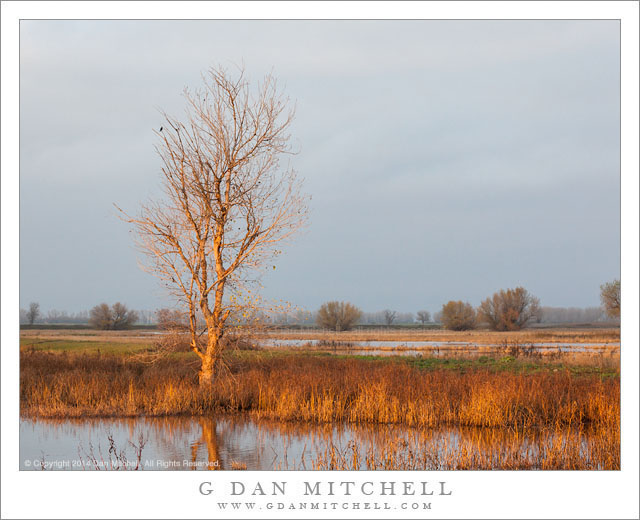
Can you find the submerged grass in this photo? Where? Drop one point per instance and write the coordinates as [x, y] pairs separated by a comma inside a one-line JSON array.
[[552, 451]]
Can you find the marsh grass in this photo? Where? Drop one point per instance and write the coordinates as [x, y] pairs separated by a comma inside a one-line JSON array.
[[294, 387]]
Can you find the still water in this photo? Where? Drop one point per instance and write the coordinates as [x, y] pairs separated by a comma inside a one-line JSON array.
[[433, 348], [232, 442]]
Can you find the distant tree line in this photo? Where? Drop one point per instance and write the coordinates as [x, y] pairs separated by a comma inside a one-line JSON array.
[[387, 317], [505, 310], [33, 315], [572, 314], [514, 309]]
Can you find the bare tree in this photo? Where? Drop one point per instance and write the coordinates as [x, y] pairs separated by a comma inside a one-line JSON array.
[[510, 310], [389, 317], [423, 316], [33, 313], [100, 317], [610, 298], [228, 205], [171, 319], [457, 315], [116, 317], [121, 317], [338, 316]]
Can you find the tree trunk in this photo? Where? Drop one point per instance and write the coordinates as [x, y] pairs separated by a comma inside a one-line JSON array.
[[205, 376], [211, 361]]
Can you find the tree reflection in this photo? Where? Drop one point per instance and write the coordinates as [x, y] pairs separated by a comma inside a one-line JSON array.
[[211, 441]]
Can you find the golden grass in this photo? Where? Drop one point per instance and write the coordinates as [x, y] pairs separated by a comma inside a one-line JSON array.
[[315, 389]]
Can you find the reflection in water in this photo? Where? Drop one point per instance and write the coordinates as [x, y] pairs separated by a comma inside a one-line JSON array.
[[210, 440], [225, 442]]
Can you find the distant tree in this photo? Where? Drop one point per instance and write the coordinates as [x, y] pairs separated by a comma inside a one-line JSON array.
[[117, 317], [54, 316], [457, 315], [302, 317], [171, 319], [338, 316], [404, 317], [122, 317], [100, 317], [33, 313], [423, 316], [509, 310], [610, 298], [372, 318], [389, 317], [146, 317], [571, 314]]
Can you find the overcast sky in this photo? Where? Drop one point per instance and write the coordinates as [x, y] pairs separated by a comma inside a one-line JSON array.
[[446, 159]]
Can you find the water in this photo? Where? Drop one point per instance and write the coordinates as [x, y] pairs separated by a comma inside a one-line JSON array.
[[434, 348], [232, 442], [181, 443]]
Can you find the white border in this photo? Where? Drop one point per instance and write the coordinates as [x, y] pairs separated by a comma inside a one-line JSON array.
[[168, 495]]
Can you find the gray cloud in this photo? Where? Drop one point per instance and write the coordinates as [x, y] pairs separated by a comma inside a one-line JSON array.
[[445, 159]]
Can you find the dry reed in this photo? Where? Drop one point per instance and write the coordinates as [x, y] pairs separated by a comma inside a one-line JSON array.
[[316, 389]]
